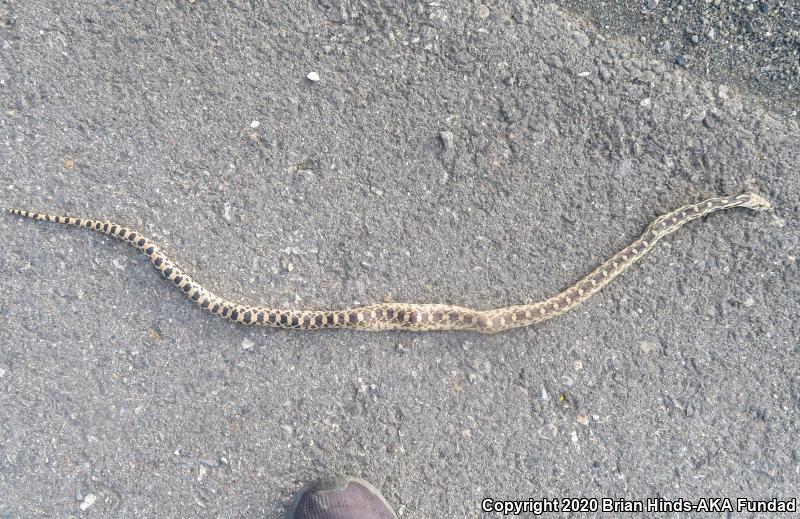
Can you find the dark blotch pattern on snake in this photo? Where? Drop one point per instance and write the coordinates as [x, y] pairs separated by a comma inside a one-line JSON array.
[[414, 317]]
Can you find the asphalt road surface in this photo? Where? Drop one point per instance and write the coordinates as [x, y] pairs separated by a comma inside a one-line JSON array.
[[473, 154]]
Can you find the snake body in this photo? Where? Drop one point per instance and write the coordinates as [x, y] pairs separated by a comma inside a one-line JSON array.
[[414, 317]]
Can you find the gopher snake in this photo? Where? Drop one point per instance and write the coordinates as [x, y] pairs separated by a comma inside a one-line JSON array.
[[415, 317]]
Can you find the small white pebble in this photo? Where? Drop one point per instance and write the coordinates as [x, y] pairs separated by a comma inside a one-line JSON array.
[[255, 124], [749, 301], [247, 344], [447, 139], [288, 266], [574, 436], [313, 76], [88, 501], [648, 347]]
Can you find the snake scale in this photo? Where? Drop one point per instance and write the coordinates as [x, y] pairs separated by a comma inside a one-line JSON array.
[[414, 317]]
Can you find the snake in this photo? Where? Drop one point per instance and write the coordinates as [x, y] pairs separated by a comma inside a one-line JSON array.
[[413, 317]]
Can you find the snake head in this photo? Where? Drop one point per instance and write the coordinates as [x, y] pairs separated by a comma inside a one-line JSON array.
[[755, 202]]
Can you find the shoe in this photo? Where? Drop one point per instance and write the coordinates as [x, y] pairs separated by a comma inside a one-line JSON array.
[[340, 497]]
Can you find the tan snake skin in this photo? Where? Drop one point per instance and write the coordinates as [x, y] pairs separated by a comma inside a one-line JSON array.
[[415, 317]]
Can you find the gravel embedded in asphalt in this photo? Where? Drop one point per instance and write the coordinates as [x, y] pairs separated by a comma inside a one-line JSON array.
[[722, 41], [679, 380]]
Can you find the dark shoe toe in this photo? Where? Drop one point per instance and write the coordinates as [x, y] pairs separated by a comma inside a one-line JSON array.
[[341, 497]]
